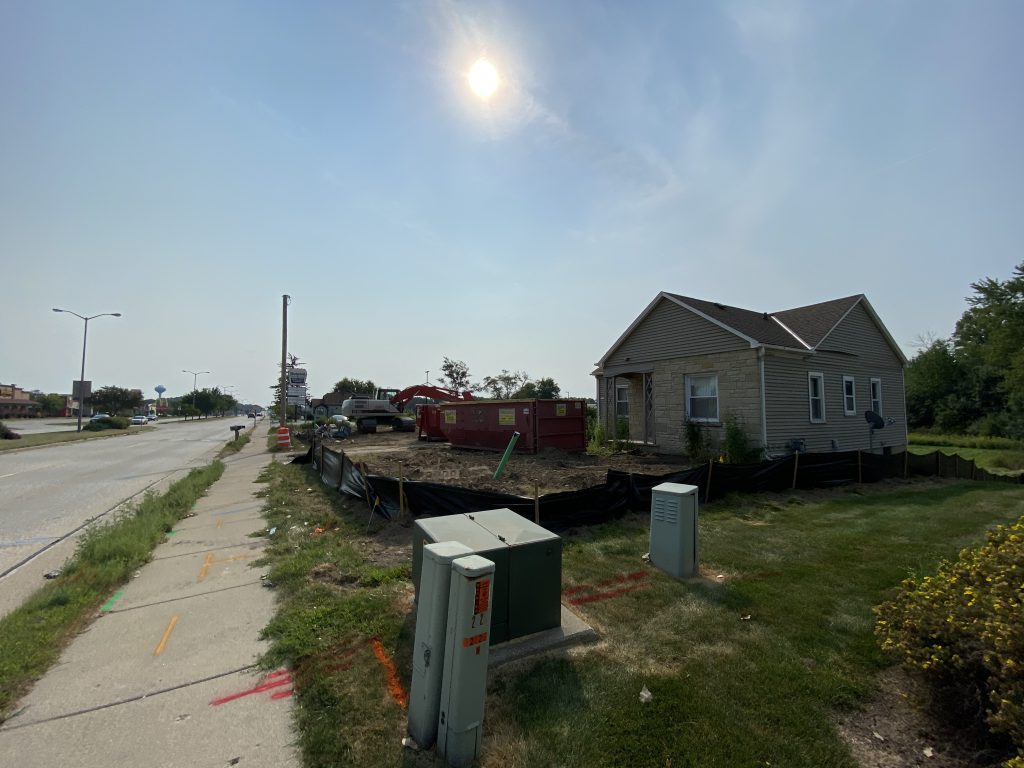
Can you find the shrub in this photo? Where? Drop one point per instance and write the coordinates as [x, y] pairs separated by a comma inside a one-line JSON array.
[[6, 433], [697, 447], [737, 445], [107, 422], [596, 444], [621, 433], [964, 630]]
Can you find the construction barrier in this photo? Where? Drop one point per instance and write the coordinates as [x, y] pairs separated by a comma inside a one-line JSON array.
[[623, 492], [283, 438]]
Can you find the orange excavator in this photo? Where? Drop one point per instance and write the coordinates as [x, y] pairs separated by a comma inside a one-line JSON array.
[[387, 406]]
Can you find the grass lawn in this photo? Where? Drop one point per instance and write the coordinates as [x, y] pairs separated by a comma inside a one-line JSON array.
[[998, 461], [49, 438], [748, 665]]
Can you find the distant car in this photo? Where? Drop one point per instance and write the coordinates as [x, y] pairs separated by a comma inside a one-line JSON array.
[[136, 420], [251, 415], [97, 416], [151, 417]]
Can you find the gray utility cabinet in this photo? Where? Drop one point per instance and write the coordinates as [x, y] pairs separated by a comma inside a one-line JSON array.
[[674, 540], [527, 566]]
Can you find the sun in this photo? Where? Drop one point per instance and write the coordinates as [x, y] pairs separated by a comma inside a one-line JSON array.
[[483, 78]]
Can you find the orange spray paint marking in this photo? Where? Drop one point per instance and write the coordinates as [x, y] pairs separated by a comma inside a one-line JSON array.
[[394, 684], [167, 636], [206, 567]]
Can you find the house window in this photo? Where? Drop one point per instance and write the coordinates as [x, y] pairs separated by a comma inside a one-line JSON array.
[[702, 397], [849, 396], [816, 396], [876, 396], [622, 401]]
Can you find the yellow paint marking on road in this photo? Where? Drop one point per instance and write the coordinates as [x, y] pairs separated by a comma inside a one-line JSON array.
[[167, 636], [250, 556], [206, 567], [220, 522]]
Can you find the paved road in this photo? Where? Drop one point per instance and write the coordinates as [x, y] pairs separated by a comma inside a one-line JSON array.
[[47, 493]]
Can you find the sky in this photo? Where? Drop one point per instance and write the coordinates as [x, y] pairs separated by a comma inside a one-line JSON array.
[[186, 164]]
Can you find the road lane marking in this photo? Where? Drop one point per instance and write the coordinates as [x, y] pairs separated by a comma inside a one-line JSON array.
[[167, 635]]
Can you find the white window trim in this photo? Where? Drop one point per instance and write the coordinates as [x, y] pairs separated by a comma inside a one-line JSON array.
[[700, 419], [618, 402], [852, 410], [872, 394], [810, 399]]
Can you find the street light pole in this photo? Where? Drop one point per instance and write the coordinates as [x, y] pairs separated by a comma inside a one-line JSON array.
[[195, 378], [85, 336]]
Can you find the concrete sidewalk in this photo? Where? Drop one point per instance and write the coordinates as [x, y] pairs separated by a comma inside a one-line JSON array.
[[165, 677]]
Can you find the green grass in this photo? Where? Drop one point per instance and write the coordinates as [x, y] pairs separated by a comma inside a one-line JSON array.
[[1000, 461], [49, 438], [728, 691], [234, 446], [963, 441], [33, 635]]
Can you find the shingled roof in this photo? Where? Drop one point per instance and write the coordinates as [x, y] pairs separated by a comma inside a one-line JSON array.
[[802, 328]]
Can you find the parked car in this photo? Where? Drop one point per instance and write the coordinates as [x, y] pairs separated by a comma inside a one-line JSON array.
[[151, 417], [136, 420], [98, 416]]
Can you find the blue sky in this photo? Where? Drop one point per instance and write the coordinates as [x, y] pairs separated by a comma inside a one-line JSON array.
[[188, 163]]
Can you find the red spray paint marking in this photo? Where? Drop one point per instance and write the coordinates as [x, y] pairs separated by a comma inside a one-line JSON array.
[[607, 595], [394, 684], [635, 576], [271, 681]]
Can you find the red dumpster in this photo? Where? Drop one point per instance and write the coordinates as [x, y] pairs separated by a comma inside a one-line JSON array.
[[489, 424]]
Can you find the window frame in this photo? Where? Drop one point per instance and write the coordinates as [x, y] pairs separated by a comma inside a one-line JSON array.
[[876, 380], [820, 377], [688, 383], [850, 406], [621, 402]]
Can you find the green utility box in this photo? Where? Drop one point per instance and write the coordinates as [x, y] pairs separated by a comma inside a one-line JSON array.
[[527, 566]]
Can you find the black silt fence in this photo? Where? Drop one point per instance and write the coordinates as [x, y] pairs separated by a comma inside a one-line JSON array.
[[623, 492]]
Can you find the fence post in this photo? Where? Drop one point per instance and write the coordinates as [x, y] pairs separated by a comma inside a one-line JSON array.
[[707, 492], [906, 463], [860, 470], [536, 503], [796, 466], [401, 493]]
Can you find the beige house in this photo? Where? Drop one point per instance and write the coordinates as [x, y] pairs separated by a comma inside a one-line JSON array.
[[800, 379]]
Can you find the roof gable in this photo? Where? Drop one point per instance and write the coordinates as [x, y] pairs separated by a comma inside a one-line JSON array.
[[802, 328]]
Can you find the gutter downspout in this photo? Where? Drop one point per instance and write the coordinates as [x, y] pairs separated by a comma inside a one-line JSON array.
[[764, 409]]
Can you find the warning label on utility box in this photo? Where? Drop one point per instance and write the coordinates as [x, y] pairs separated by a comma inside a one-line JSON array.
[[449, 417], [482, 598], [560, 409], [507, 417]]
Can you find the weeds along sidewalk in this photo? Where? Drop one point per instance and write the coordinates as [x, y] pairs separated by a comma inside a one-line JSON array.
[[166, 676]]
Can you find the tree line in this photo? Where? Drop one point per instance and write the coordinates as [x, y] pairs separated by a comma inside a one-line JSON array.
[[973, 381], [119, 401], [455, 375]]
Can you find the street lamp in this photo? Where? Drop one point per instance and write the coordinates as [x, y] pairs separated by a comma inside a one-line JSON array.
[[85, 335], [195, 378]]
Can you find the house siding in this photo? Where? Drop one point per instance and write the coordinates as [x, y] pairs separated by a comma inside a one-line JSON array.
[[670, 331], [856, 347]]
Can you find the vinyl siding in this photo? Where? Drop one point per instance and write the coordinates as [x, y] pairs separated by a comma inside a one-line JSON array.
[[868, 356], [670, 331]]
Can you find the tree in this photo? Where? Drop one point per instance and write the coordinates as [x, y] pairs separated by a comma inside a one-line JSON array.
[[456, 376], [989, 344], [114, 400], [505, 384], [541, 389], [355, 386], [50, 405]]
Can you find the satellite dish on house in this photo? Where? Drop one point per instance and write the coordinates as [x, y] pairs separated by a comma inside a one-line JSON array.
[[872, 418]]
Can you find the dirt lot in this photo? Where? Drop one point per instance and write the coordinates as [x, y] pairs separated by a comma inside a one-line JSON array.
[[390, 453]]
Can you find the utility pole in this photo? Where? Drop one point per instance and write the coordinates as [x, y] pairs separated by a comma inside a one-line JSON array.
[[283, 407]]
